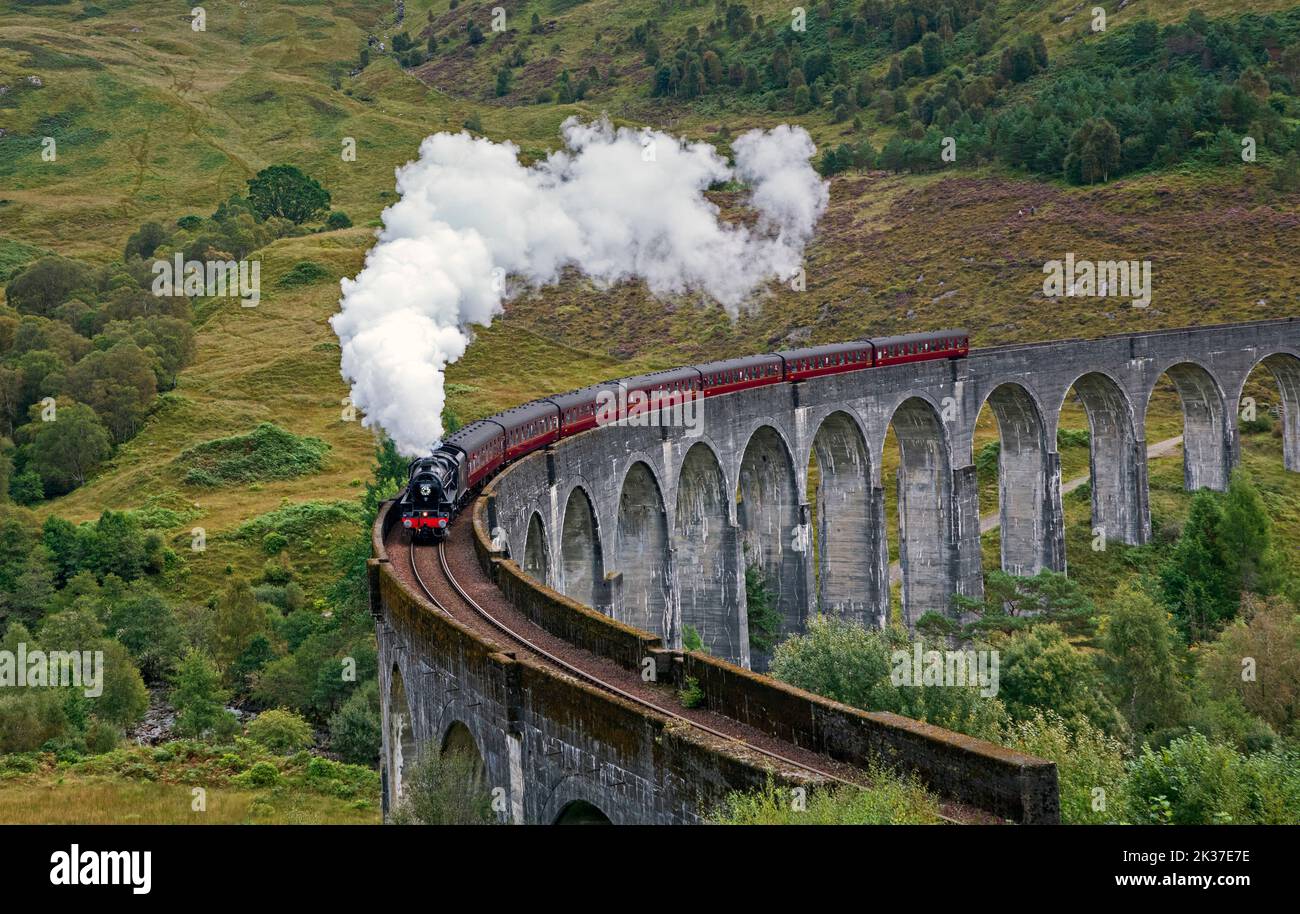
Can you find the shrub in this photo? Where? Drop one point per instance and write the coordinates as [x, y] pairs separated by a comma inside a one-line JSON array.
[[691, 639], [276, 572], [31, 717], [300, 520], [262, 774], [355, 728], [764, 617], [273, 542], [849, 663], [690, 694], [444, 788], [305, 272], [267, 452], [1041, 670], [890, 800], [338, 220], [1087, 761], [102, 737], [281, 731], [26, 488], [1193, 781]]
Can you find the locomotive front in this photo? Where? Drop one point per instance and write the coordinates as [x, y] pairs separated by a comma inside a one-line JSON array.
[[427, 502]]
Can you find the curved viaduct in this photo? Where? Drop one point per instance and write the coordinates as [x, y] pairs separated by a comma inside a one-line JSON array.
[[619, 538]]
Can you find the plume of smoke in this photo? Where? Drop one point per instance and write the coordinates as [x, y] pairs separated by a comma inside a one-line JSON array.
[[614, 204]]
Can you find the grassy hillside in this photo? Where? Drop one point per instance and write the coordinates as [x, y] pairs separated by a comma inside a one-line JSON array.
[[153, 120], [156, 120]]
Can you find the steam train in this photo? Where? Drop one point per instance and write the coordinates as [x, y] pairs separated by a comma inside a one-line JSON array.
[[442, 483]]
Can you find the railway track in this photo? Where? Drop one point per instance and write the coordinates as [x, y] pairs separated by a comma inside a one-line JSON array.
[[600, 683]]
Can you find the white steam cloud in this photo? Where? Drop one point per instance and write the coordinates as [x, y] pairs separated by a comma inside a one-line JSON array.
[[614, 204]]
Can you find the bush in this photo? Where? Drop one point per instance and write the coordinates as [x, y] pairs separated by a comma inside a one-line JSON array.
[[267, 452], [444, 788], [281, 731], [273, 542], [690, 694], [276, 572], [26, 488], [355, 729], [31, 717], [852, 664], [305, 272], [301, 520], [1193, 781], [691, 639], [890, 800], [262, 774], [1087, 761], [102, 737], [1041, 670], [338, 220]]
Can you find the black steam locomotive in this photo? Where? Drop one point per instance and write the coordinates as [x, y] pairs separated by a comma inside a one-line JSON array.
[[430, 499]]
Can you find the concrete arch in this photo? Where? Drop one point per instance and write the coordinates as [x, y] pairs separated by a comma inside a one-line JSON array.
[[926, 547], [1207, 435], [644, 558], [581, 812], [848, 524], [582, 561], [459, 740], [402, 747], [580, 793], [709, 587], [537, 554], [772, 525], [721, 454], [731, 456], [1116, 460], [1028, 468], [1285, 368]]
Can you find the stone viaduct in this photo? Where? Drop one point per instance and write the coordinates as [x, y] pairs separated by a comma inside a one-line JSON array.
[[640, 531], [656, 527]]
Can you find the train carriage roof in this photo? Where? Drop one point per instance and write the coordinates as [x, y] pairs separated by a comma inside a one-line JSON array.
[[475, 435], [656, 379], [810, 352], [749, 361], [520, 416], [957, 333], [582, 396]]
